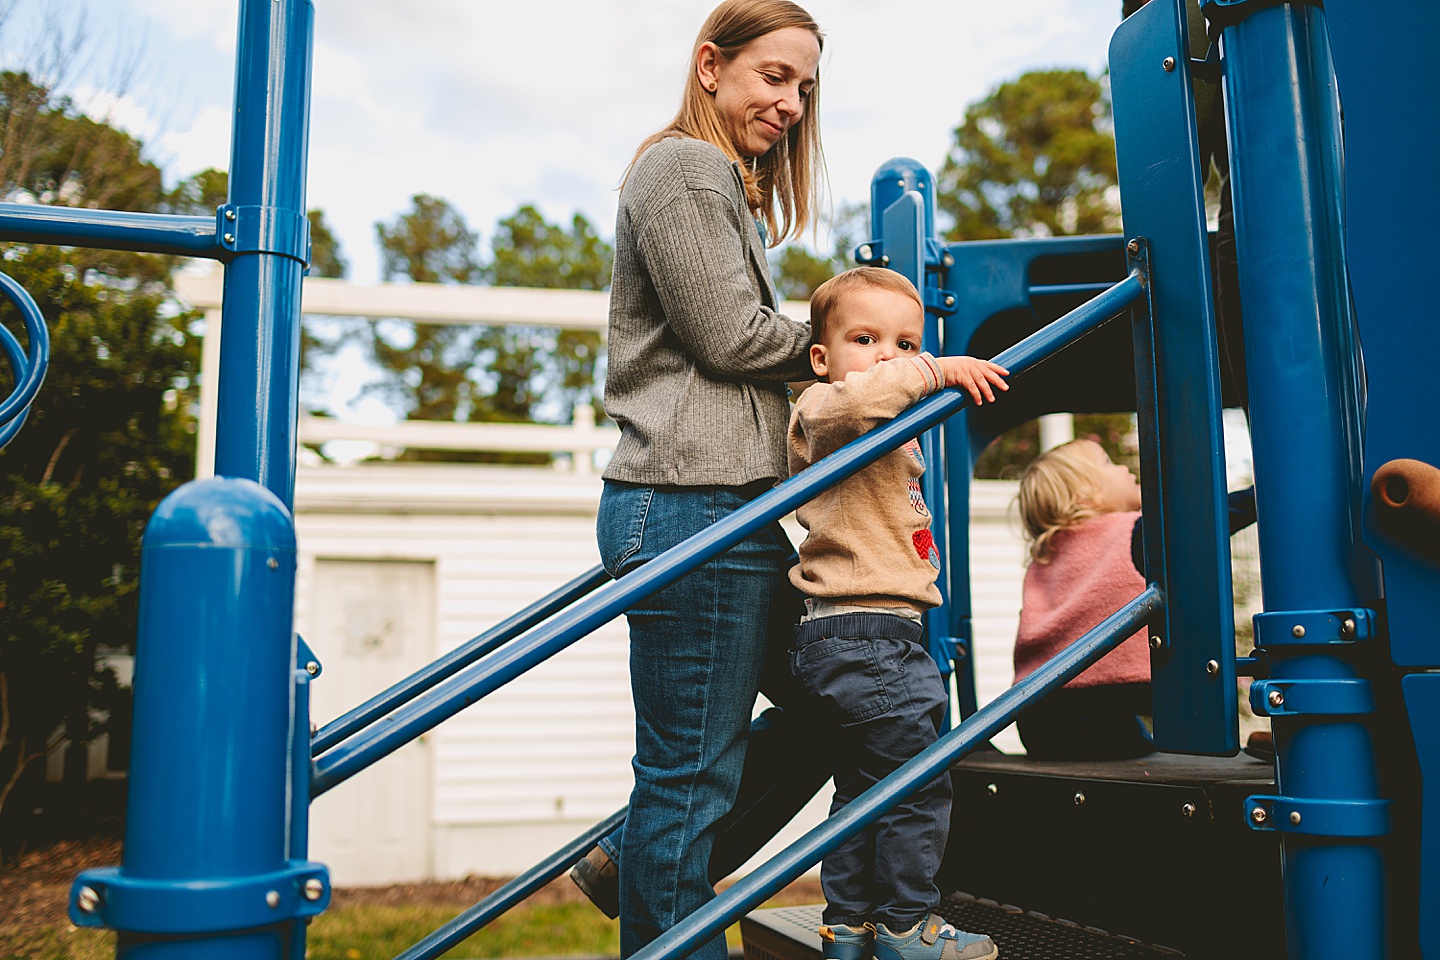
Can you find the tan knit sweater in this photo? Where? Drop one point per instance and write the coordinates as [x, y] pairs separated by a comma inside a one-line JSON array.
[[868, 538]]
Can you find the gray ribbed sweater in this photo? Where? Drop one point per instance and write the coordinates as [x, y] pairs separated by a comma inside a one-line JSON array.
[[698, 355]]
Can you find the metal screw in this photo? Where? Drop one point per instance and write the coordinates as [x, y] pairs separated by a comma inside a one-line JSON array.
[[1297, 631], [314, 889], [312, 668], [1347, 628], [948, 259], [885, 260], [862, 252], [88, 900], [314, 729], [272, 899], [1156, 642], [1258, 816], [1169, 64], [1187, 810], [229, 238], [1295, 817], [1079, 799], [1212, 667], [992, 789], [229, 214], [1133, 247], [900, 183], [949, 301], [1275, 698], [273, 564]]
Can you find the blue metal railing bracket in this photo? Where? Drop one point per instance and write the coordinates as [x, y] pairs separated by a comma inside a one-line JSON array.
[[108, 898], [1318, 818], [1321, 697], [263, 229], [1313, 627]]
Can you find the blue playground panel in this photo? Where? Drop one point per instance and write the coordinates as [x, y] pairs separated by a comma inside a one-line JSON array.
[[215, 862]]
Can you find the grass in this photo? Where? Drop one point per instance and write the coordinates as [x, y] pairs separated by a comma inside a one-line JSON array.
[[379, 931]]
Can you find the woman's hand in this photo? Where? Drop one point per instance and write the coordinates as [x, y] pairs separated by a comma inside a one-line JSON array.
[[976, 377]]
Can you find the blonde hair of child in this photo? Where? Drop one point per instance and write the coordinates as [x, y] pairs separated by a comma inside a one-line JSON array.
[[1058, 490], [826, 296]]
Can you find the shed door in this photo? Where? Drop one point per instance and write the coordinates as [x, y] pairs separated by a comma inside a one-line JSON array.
[[372, 624]]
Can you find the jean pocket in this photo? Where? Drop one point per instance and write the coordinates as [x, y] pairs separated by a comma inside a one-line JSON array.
[[845, 673], [620, 524]]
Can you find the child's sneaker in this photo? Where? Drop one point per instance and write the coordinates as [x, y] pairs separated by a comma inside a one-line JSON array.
[[840, 941], [934, 939]]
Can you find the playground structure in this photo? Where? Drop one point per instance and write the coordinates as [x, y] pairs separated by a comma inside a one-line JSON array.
[[1346, 455]]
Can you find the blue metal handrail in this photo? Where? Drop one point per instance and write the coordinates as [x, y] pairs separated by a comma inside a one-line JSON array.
[[457, 660], [930, 763], [28, 365], [511, 893], [184, 236], [453, 695]]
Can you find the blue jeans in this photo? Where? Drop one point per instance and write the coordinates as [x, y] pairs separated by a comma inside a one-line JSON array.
[[697, 649], [884, 692]]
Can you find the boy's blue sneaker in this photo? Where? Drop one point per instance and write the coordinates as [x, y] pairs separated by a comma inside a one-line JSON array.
[[840, 941], [934, 939]]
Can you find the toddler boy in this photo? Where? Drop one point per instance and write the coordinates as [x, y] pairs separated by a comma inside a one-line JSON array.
[[867, 568]]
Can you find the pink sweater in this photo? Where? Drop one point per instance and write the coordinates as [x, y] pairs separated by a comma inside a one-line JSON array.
[[1090, 575]]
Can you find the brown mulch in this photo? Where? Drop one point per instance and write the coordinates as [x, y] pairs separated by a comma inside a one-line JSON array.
[[34, 891]]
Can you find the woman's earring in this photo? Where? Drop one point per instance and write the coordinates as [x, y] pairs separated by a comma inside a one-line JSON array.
[[711, 88]]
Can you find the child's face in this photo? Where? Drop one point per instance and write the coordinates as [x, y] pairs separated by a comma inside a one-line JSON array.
[[871, 324], [1119, 490]]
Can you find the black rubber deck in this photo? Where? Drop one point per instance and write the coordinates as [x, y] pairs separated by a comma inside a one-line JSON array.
[[788, 933]]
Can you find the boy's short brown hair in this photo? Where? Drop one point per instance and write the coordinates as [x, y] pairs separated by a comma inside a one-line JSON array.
[[828, 294]]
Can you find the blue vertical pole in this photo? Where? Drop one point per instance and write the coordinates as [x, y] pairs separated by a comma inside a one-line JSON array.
[[265, 229], [207, 874], [1305, 405]]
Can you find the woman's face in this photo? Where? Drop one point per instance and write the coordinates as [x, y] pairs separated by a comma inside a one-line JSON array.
[[763, 91]]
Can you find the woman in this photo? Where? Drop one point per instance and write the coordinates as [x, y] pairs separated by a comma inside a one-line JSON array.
[[698, 362]]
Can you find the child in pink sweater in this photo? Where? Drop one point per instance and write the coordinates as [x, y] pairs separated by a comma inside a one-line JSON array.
[[1081, 514], [867, 568]]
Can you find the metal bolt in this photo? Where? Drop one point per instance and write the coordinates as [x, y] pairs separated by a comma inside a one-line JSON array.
[[1347, 628], [948, 259], [992, 789], [1079, 799], [885, 260], [314, 729], [1169, 64], [1275, 698], [1258, 816], [1156, 642], [1297, 631], [88, 900], [272, 899], [900, 183], [314, 889], [273, 564], [312, 668], [229, 214], [229, 238], [1187, 810], [1212, 667], [1295, 818], [862, 252], [1133, 247], [949, 301]]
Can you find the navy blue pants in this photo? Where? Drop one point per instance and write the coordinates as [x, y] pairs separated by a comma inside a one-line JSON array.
[[884, 693]]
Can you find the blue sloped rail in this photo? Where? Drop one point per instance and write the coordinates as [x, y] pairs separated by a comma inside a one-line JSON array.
[[448, 698], [27, 365]]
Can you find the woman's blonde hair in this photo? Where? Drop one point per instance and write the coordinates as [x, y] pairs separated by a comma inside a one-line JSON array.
[[1058, 490], [790, 175]]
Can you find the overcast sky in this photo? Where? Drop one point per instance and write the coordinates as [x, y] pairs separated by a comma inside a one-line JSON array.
[[493, 104]]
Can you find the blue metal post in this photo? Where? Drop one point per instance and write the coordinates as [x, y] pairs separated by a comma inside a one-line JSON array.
[[902, 219], [1305, 396], [264, 225], [206, 870]]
